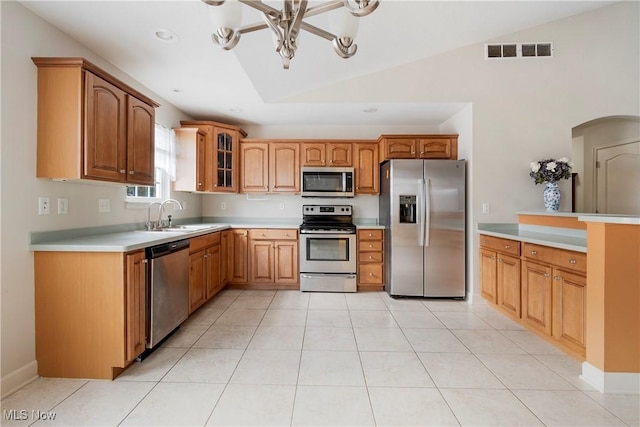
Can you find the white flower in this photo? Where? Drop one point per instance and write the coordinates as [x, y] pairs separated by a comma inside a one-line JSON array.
[[563, 160], [535, 167], [551, 166]]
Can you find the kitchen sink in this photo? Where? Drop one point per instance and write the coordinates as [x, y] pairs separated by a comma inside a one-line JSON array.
[[182, 228]]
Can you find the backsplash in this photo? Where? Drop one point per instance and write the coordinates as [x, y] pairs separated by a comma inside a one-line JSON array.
[[280, 206]]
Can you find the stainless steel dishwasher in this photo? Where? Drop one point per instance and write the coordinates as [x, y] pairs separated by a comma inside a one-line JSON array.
[[167, 289]]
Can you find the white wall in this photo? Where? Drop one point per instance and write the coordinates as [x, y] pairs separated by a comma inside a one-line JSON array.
[[25, 35], [523, 109]]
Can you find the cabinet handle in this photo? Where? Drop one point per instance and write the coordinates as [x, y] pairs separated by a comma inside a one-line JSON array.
[[534, 253], [556, 277], [132, 172], [572, 261], [199, 184], [370, 257], [215, 185], [370, 246], [370, 235], [263, 235], [507, 246], [485, 241], [122, 171], [492, 257], [371, 274], [357, 188], [499, 259], [546, 274]]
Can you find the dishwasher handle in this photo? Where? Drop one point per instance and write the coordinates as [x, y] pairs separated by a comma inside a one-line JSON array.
[[166, 248]]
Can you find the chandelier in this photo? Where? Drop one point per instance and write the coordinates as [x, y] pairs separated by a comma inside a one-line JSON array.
[[287, 23]]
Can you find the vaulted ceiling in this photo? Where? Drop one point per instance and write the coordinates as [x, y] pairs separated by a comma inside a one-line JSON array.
[[248, 85]]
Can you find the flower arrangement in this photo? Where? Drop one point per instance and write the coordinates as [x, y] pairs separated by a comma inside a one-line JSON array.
[[550, 170]]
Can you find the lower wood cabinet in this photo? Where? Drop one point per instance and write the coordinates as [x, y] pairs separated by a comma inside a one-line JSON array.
[[237, 265], [204, 269], [544, 288], [89, 312], [273, 257], [370, 259]]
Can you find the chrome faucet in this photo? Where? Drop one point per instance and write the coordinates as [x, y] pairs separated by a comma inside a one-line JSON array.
[[151, 225], [161, 210]]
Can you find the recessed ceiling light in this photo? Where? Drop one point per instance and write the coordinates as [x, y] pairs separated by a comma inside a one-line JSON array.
[[176, 90], [370, 110], [166, 36], [236, 110]]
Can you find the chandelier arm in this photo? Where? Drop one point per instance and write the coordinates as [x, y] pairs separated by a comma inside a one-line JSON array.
[[252, 27], [323, 8], [300, 12], [371, 5], [318, 31], [260, 6]]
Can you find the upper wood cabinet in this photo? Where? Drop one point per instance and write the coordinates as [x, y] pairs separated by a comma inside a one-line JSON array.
[[318, 153], [208, 158], [269, 167], [366, 167], [91, 125], [419, 147]]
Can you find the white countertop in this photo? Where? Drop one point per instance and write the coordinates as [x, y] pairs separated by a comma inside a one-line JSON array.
[[562, 238], [590, 217], [127, 241]]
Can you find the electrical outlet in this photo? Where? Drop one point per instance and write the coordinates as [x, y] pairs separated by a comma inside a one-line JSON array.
[[184, 205], [486, 208], [63, 206], [223, 205], [104, 205], [281, 206], [44, 207]]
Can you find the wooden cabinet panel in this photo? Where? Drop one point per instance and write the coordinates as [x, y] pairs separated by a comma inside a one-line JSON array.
[[140, 142], [204, 241], [208, 160], [508, 284], [437, 148], [91, 125], [197, 280], [284, 167], [400, 148], [536, 296], [506, 246], [212, 269], [105, 144], [238, 265], [367, 168], [313, 154], [254, 167], [286, 262], [261, 253], [569, 312], [559, 257], [419, 146], [273, 234], [135, 305], [339, 154], [488, 275], [370, 259], [225, 257]]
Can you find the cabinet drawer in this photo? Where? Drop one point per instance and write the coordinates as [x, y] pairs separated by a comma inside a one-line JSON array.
[[558, 257], [370, 274], [502, 245], [273, 234], [370, 257], [370, 234], [200, 242], [370, 246]]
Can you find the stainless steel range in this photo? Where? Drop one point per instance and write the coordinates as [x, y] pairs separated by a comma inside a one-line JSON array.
[[327, 249]]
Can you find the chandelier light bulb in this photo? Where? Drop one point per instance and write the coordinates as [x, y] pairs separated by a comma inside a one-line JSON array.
[[226, 15]]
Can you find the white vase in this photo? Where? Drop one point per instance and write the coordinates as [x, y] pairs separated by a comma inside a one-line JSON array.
[[551, 197]]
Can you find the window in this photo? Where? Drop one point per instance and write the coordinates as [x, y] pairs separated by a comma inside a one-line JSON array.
[[165, 141]]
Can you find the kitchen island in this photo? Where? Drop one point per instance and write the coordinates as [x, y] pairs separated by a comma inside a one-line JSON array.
[[603, 311]]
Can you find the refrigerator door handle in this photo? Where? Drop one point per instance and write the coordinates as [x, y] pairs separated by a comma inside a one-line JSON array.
[[421, 214], [426, 232]]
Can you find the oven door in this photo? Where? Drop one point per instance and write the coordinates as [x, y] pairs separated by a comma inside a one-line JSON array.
[[327, 253]]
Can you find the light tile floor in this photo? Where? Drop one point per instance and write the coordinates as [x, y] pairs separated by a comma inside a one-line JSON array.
[[292, 358]]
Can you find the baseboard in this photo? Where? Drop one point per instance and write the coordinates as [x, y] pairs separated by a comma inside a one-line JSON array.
[[611, 382], [19, 378]]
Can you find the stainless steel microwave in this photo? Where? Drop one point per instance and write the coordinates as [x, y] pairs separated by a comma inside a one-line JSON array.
[[327, 182]]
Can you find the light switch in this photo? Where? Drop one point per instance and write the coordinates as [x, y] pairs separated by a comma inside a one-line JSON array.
[[104, 205], [63, 206]]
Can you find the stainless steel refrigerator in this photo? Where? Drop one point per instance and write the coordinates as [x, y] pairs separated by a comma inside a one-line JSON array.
[[422, 206]]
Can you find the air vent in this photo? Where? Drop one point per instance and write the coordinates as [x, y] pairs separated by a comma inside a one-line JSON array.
[[518, 50]]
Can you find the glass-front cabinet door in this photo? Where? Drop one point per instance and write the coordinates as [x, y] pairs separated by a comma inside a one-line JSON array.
[[226, 160]]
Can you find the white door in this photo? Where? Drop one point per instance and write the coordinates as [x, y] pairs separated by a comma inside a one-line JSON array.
[[618, 179]]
